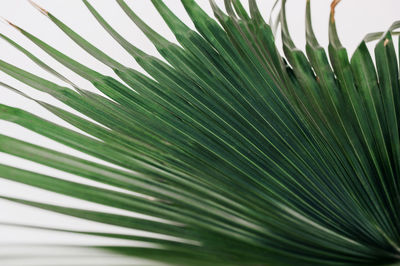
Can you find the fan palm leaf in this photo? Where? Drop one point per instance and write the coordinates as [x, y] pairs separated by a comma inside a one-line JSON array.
[[232, 153]]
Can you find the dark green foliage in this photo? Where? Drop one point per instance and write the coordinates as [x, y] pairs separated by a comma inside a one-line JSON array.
[[250, 158]]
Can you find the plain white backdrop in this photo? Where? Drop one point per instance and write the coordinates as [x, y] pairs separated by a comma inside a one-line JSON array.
[[355, 18]]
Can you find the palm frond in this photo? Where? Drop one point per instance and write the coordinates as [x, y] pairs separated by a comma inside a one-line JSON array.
[[232, 153]]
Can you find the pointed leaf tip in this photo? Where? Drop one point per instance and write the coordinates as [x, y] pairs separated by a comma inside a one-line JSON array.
[[42, 10], [333, 7], [10, 23], [4, 20]]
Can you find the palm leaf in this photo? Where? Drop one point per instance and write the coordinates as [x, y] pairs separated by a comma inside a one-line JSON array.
[[232, 153]]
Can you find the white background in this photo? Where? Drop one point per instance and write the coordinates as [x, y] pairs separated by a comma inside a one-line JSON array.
[[355, 18]]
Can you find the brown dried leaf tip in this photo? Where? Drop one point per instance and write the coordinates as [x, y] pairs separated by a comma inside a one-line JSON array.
[[42, 10], [10, 23], [333, 6], [386, 42]]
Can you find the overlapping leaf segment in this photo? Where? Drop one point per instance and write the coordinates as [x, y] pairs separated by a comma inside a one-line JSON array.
[[246, 156]]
